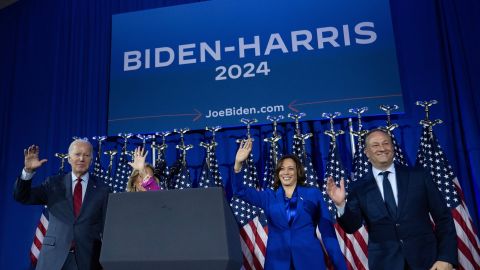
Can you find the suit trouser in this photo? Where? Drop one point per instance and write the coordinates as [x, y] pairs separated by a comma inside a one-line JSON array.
[[70, 262]]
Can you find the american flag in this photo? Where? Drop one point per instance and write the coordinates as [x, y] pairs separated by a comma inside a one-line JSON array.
[[431, 157], [118, 182], [353, 246], [311, 178], [269, 171], [99, 171], [39, 235], [182, 179], [161, 171], [399, 157], [252, 222], [360, 161], [210, 176], [41, 230], [297, 148]]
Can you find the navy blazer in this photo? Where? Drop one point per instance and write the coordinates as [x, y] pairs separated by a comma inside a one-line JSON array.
[[63, 228], [409, 236], [296, 242]]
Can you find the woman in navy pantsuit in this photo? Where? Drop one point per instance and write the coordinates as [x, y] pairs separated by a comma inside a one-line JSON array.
[[293, 212]]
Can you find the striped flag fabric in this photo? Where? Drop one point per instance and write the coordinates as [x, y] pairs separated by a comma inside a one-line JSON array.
[[252, 223], [40, 233], [353, 246], [359, 239], [431, 157], [311, 180], [41, 230]]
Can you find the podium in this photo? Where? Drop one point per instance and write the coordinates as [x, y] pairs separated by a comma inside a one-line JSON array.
[[175, 229]]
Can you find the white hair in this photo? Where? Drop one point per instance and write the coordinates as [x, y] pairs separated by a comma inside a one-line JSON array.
[[77, 141]]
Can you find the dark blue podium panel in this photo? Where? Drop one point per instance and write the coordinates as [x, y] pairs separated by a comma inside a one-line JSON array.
[[175, 229]]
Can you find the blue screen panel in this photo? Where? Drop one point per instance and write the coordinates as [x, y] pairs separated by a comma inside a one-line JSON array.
[[215, 62]]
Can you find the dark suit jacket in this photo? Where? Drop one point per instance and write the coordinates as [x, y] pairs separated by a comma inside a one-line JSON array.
[[298, 241], [63, 227], [409, 236]]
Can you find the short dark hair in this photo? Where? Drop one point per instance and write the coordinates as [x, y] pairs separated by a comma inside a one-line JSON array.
[[299, 167]]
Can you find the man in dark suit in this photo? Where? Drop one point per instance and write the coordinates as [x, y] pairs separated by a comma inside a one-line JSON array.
[[77, 205], [396, 204]]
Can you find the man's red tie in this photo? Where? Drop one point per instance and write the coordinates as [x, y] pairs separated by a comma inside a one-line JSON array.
[[77, 197]]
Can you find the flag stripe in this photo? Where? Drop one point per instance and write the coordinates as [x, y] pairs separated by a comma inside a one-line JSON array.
[[252, 222], [346, 253], [353, 246], [245, 265], [463, 211], [431, 157], [463, 238], [464, 263], [247, 236], [43, 224], [247, 255], [357, 240], [33, 258], [362, 237], [360, 169], [260, 236], [259, 246], [38, 240], [465, 227], [35, 251], [40, 233], [349, 245], [465, 257]]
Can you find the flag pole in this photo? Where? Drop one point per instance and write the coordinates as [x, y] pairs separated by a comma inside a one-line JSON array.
[[352, 138]]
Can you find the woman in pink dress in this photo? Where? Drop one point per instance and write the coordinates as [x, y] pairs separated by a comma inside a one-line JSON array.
[[142, 177]]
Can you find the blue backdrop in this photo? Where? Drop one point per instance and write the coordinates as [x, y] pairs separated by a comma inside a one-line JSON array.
[[157, 51], [54, 77]]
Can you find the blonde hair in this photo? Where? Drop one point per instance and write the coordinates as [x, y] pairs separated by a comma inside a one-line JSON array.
[[133, 177]]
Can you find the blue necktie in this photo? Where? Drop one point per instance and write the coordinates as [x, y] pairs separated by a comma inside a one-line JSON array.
[[388, 195]]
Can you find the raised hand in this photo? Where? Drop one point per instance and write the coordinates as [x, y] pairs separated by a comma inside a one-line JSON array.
[[31, 158], [139, 159], [242, 153], [337, 194]]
